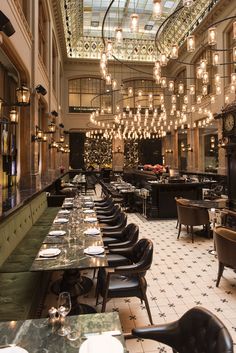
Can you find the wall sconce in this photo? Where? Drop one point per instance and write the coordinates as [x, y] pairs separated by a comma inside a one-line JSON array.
[[169, 151], [54, 144], [62, 139], [14, 116], [189, 148], [51, 128], [39, 136], [23, 95], [41, 90], [223, 142]]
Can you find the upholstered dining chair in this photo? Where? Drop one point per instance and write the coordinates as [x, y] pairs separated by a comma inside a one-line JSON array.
[[225, 244], [121, 222], [129, 280], [191, 216], [198, 331], [126, 237], [181, 201]]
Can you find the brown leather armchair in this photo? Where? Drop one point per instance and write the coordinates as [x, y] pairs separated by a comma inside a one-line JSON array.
[[225, 244], [121, 222], [191, 216], [129, 280], [198, 331]]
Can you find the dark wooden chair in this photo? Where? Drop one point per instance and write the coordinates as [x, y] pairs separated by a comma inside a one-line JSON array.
[[225, 244]]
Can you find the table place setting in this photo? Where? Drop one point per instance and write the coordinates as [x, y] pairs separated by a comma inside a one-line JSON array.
[[61, 220], [12, 348], [94, 250], [88, 211], [92, 231], [101, 344], [90, 219], [65, 211], [56, 233], [49, 253]]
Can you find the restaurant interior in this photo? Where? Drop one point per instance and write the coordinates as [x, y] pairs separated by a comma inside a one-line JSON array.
[[117, 176]]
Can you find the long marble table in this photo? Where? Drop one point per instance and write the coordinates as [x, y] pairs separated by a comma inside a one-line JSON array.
[[39, 336], [71, 245]]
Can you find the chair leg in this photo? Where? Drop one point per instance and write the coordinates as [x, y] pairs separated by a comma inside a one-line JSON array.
[[180, 226], [220, 273], [105, 293], [191, 231], [177, 223], [144, 297]]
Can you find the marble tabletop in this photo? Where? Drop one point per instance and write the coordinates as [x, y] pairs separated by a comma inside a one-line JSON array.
[[72, 244], [40, 336]]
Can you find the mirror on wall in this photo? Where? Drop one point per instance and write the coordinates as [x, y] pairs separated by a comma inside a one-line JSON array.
[[208, 146], [182, 150]]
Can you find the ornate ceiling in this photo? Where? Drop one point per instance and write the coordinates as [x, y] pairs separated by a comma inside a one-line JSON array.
[[82, 22]]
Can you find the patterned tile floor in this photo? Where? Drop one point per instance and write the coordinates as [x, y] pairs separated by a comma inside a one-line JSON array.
[[182, 275]]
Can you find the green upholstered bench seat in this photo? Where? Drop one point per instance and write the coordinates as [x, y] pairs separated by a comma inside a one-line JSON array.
[[17, 299], [22, 257], [21, 234]]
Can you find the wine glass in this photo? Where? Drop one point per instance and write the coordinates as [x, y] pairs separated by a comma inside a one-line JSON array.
[[64, 307]]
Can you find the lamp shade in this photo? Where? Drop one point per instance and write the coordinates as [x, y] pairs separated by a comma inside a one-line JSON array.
[[23, 95], [14, 116]]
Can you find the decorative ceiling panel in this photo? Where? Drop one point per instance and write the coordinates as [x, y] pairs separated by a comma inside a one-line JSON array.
[[82, 20]]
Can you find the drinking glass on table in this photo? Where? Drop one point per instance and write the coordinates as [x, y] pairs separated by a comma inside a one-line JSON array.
[[64, 307]]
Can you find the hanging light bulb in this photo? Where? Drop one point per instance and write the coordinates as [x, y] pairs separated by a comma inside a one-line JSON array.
[[185, 99], [130, 91], [157, 9], [233, 78], [163, 60], [234, 54], [216, 58], [218, 90], [173, 99], [119, 36], [234, 30], [134, 19], [180, 88], [205, 77], [187, 3], [232, 88], [212, 36], [108, 79], [114, 84], [199, 72], [150, 97], [171, 86], [199, 99], [104, 57], [217, 79], [174, 51], [191, 44], [109, 47], [162, 98], [13, 116], [191, 90], [203, 64], [213, 99], [163, 82], [204, 90]]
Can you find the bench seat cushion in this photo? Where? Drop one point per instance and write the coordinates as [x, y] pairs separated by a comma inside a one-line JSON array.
[[20, 296], [22, 257]]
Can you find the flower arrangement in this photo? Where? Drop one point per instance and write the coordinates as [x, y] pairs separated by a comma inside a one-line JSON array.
[[157, 168]]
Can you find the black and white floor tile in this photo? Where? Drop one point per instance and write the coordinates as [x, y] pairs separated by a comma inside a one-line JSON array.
[[183, 275]]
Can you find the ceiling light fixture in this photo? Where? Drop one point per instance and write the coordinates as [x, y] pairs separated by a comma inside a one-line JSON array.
[[134, 22], [157, 9]]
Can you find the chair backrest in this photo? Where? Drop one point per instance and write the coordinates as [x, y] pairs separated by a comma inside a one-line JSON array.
[[200, 331], [192, 216], [130, 232], [142, 254], [225, 242]]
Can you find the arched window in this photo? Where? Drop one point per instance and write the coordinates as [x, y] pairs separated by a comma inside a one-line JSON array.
[[87, 93]]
